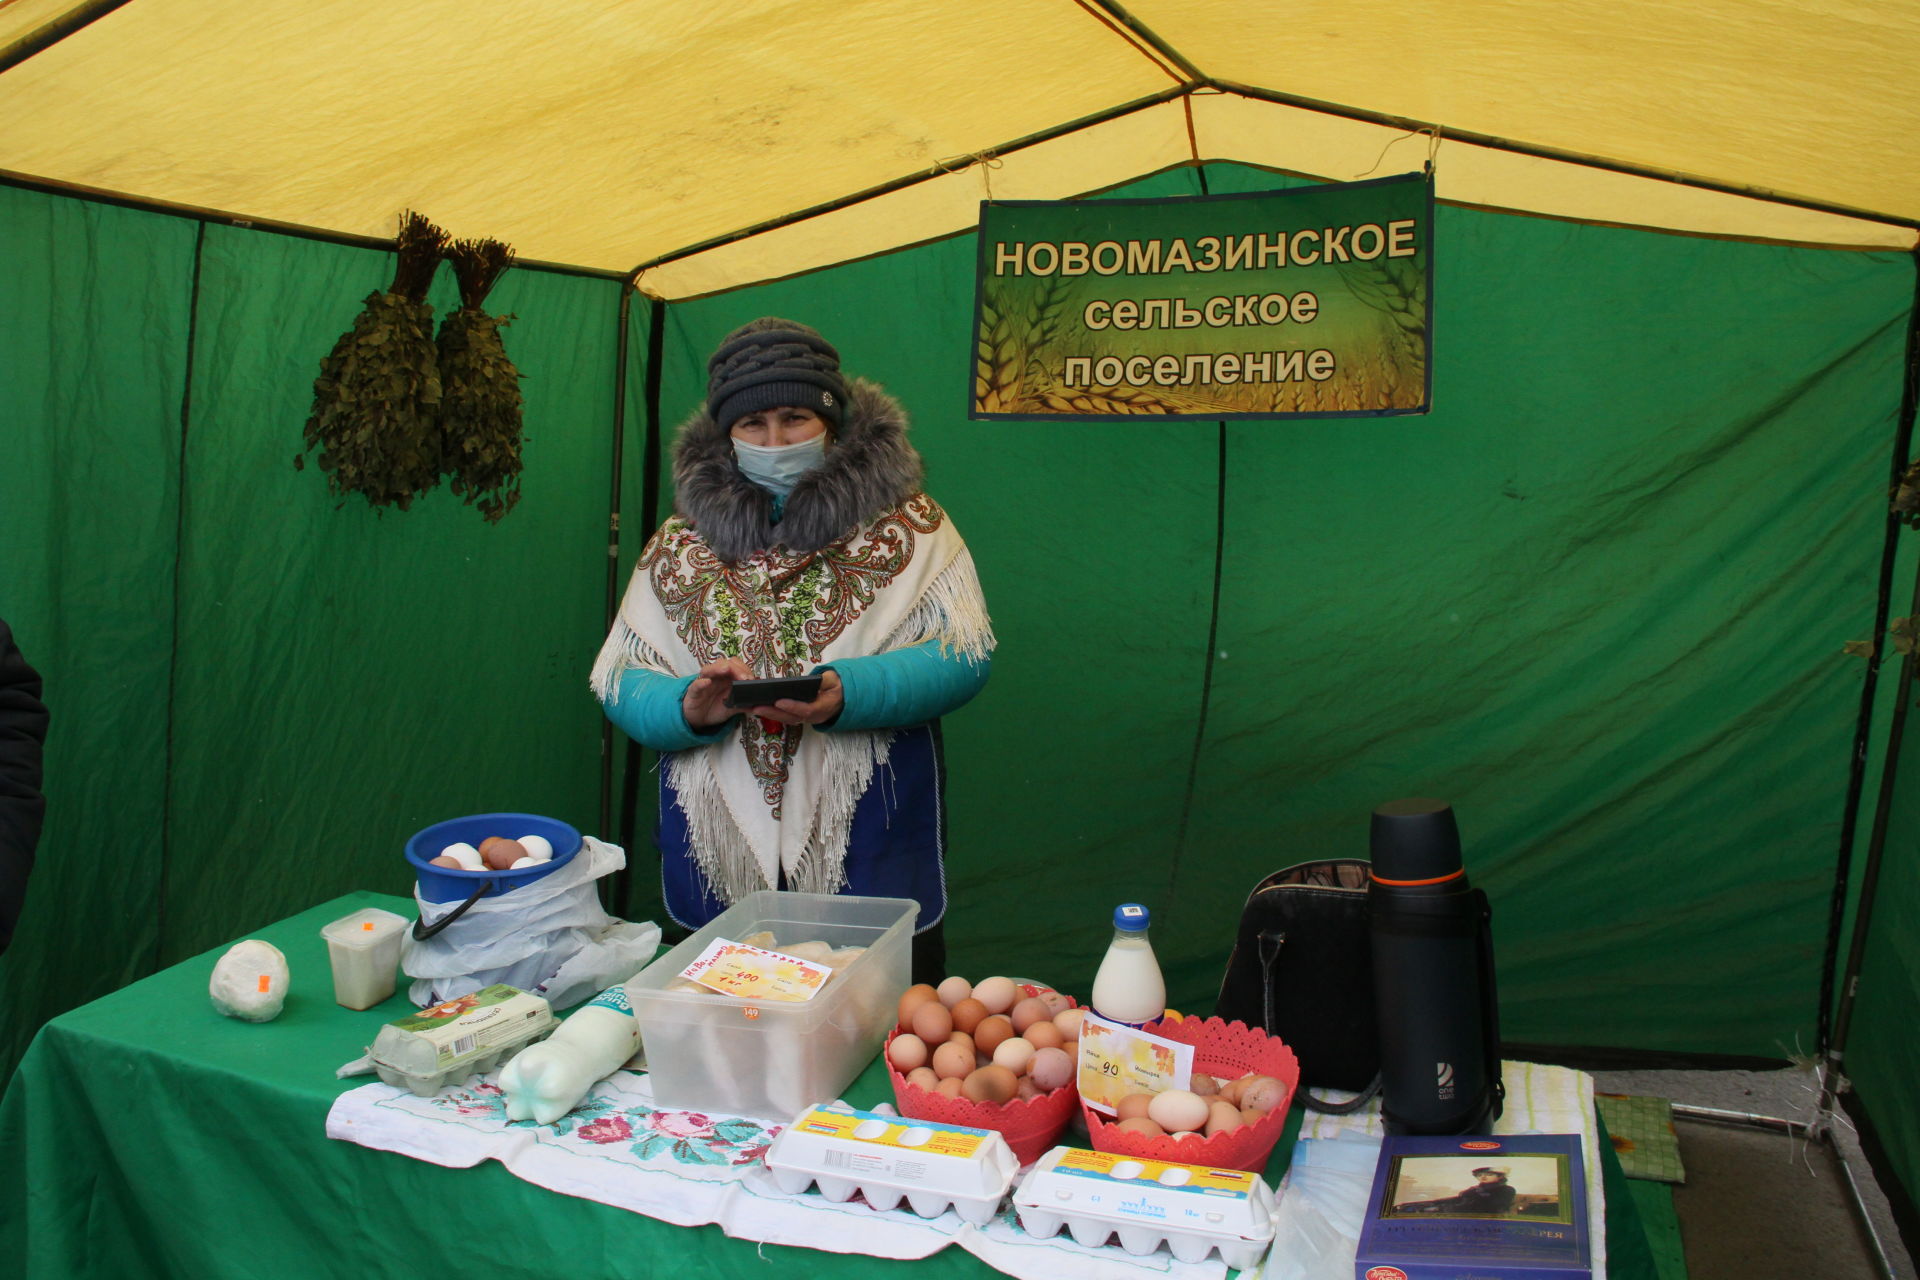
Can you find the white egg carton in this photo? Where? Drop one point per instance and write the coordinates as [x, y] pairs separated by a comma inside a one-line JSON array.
[[933, 1167], [1192, 1209]]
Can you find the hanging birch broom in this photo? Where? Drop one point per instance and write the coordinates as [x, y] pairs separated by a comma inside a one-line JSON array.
[[376, 403], [480, 388]]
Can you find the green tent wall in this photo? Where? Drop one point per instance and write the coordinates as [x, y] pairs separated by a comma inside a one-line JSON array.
[[1597, 597]]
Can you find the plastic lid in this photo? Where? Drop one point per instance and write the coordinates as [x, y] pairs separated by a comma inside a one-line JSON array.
[[1131, 917], [1415, 840], [363, 928]]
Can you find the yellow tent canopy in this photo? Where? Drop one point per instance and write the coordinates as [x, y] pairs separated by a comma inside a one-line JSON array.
[[716, 146]]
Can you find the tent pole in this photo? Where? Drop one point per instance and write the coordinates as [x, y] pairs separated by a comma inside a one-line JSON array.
[[1834, 1046], [199, 213], [939, 170], [621, 314], [173, 647], [649, 520], [1496, 143], [49, 34], [1856, 781]]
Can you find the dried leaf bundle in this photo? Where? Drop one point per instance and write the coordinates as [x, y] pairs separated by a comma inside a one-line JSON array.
[[480, 407], [376, 403]]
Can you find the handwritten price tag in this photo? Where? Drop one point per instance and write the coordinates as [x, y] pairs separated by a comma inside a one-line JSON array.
[[735, 969], [1116, 1061]]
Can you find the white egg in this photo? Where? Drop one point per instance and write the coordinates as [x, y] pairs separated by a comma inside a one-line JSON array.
[[526, 862], [1177, 1110], [539, 848], [466, 855]]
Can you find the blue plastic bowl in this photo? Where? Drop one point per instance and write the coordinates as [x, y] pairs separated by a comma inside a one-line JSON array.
[[451, 884]]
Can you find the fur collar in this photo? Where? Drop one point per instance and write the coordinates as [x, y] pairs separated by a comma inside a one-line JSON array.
[[869, 468]]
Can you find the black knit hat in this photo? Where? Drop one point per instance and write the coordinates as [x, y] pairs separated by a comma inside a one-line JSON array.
[[770, 362]]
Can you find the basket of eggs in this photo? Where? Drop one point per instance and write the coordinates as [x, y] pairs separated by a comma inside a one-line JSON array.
[[1230, 1117], [997, 1056]]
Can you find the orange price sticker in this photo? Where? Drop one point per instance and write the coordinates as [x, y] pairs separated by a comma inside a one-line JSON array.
[[266, 983]]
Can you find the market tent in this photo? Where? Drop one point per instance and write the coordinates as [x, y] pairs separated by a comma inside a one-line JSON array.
[[1599, 596]]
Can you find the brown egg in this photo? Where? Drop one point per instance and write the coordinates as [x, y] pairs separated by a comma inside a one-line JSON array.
[[1222, 1115], [1069, 1022], [953, 991], [1050, 1069], [968, 1014], [1044, 1035], [1232, 1089], [1028, 1089], [444, 861], [1263, 1093], [915, 996], [489, 842], [907, 1052], [502, 854], [964, 1040], [1203, 1084], [1134, 1105], [1140, 1124], [923, 1078], [1056, 1003], [1251, 1115], [932, 1022], [1072, 1049], [1029, 1011], [949, 1088], [991, 1031], [991, 1084], [952, 1061]]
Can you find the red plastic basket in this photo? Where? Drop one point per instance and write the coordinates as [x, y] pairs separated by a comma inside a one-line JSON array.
[[1030, 1125], [1227, 1050]]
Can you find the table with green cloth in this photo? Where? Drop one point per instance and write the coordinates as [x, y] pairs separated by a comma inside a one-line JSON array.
[[146, 1135]]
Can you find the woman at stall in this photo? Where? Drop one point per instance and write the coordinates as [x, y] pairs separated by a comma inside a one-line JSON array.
[[801, 543]]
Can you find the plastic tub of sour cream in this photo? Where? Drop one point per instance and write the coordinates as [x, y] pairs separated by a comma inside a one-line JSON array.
[[365, 951]]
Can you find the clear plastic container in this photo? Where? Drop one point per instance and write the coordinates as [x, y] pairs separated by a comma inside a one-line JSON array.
[[364, 949], [765, 1058]]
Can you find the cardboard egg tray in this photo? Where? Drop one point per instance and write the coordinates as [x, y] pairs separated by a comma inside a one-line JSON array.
[[1192, 1209], [933, 1167]]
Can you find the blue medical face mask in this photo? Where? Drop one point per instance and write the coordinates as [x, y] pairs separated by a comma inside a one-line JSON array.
[[777, 468]]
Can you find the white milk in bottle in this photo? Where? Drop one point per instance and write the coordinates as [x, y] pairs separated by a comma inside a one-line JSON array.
[[1128, 988]]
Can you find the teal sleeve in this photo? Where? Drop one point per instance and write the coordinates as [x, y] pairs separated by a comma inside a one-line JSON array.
[[647, 708], [905, 686]]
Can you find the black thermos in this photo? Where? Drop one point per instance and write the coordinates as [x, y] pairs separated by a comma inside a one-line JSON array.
[[1432, 976]]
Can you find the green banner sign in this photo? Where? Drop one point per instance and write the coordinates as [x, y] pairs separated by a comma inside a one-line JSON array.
[[1310, 302]]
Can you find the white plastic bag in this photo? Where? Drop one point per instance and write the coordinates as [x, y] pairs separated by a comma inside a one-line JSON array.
[[549, 936], [1323, 1200]]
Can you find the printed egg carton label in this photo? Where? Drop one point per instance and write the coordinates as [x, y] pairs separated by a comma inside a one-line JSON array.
[[932, 1166], [1193, 1209], [458, 1031]]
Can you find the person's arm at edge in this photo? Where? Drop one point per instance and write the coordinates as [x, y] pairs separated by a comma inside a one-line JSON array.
[[648, 707], [905, 686]]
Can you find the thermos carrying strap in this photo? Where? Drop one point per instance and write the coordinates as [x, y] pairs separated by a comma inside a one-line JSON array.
[[1490, 1007]]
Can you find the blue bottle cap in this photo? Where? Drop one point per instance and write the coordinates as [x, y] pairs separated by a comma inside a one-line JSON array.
[[1131, 917]]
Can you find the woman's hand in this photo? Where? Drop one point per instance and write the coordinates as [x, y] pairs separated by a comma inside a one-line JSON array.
[[819, 711], [705, 702]]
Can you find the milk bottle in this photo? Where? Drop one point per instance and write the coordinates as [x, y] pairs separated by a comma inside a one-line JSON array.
[[1128, 988]]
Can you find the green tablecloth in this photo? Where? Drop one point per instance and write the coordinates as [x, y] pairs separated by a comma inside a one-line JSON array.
[[144, 1135]]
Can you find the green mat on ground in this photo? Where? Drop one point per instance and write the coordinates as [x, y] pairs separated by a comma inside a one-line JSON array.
[[1643, 1136], [1661, 1222]]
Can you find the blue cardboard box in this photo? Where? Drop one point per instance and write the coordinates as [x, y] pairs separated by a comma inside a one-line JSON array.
[[1477, 1208]]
